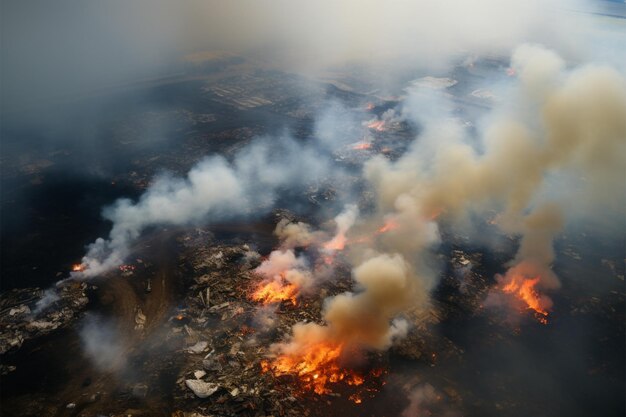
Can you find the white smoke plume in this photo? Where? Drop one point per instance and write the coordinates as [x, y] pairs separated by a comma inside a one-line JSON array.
[[215, 189], [344, 221]]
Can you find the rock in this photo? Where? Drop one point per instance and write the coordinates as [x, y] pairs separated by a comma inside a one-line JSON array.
[[23, 309], [200, 388], [140, 320], [199, 374], [71, 405], [198, 347], [140, 390]]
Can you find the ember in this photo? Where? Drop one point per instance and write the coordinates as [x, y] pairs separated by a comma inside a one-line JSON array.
[[78, 267], [361, 146], [378, 125], [390, 224]]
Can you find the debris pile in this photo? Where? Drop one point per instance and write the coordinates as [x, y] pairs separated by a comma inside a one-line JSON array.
[[227, 337], [28, 313]]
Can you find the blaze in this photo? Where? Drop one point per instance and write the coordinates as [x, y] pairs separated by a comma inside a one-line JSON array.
[[524, 289], [378, 125], [390, 224], [315, 368], [78, 267], [337, 243], [275, 292], [362, 146]]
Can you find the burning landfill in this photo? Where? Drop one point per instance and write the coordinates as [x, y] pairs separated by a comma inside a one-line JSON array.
[[321, 314]]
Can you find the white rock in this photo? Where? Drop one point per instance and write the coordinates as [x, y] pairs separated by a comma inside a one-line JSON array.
[[199, 374], [198, 347], [200, 388]]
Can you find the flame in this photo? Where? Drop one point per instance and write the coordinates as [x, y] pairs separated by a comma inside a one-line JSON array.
[[390, 224], [362, 146], [370, 106], [524, 289], [275, 292], [378, 125], [337, 243], [316, 368], [78, 267]]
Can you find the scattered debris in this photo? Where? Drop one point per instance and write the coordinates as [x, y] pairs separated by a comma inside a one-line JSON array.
[[202, 389], [24, 315]]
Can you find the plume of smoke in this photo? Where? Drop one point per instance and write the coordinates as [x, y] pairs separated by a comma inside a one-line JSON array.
[[295, 234], [283, 264], [561, 121], [558, 121], [214, 189], [344, 221], [363, 319], [102, 344], [50, 296]]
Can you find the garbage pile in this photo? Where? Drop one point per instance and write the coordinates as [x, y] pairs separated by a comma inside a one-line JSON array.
[[28, 313], [227, 336]]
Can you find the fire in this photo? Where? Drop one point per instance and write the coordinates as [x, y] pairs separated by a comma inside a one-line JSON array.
[[390, 224], [378, 125], [337, 243], [78, 267], [362, 146], [370, 106], [524, 289], [275, 292], [316, 368]]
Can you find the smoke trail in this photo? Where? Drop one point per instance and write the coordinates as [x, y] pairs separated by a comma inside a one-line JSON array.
[[214, 189]]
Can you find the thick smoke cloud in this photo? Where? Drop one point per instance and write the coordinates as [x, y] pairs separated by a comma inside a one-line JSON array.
[[557, 121], [70, 48]]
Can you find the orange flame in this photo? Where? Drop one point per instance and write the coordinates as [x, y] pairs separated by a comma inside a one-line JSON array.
[[275, 292], [316, 368], [524, 289], [78, 267], [390, 224], [362, 146], [378, 125], [336, 243]]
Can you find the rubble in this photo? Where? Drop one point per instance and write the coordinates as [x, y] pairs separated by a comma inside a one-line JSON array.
[[31, 312], [202, 389]]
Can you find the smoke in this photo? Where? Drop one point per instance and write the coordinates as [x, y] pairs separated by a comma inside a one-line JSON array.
[[50, 296], [215, 189], [83, 52], [293, 235], [557, 121], [344, 221], [102, 344], [425, 400], [284, 265]]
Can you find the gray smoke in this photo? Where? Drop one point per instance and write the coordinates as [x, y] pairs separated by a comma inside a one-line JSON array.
[[215, 189]]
